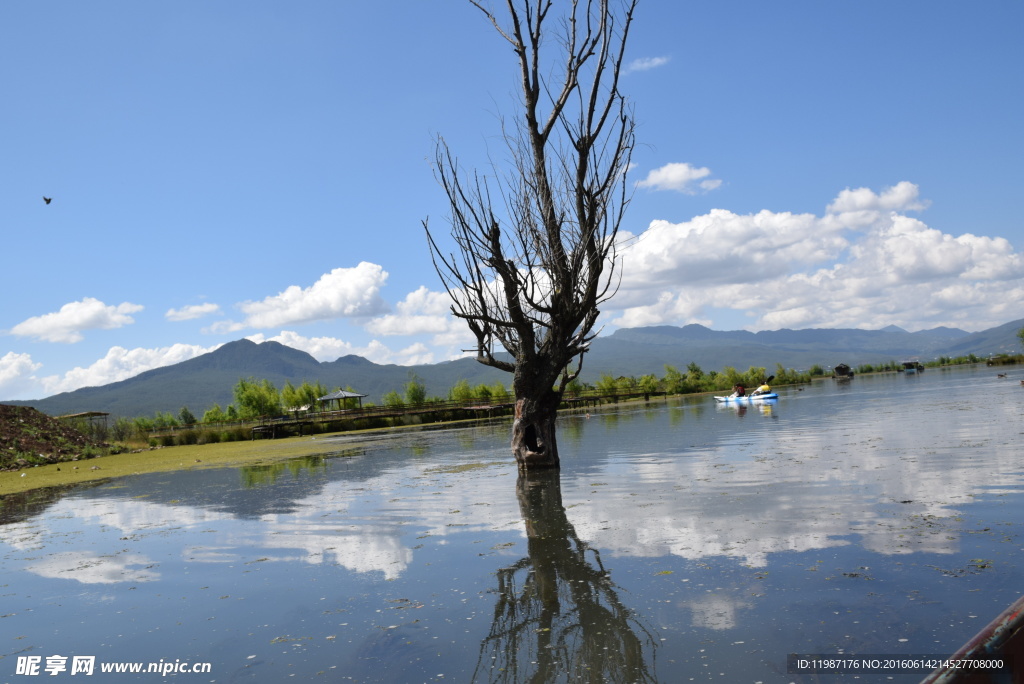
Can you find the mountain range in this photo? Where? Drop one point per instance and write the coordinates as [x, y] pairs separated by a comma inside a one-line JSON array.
[[209, 379]]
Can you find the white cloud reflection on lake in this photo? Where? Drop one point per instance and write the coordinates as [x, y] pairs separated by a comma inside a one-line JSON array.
[[781, 489]]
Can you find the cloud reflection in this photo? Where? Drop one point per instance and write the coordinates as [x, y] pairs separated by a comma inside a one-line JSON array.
[[661, 489]]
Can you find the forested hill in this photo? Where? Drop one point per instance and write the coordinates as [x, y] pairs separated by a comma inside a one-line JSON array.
[[209, 379]]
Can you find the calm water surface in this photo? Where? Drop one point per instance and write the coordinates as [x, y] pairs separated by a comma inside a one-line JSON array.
[[682, 542]]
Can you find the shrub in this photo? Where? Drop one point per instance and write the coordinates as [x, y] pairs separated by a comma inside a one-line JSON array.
[[415, 390], [461, 392], [257, 398], [123, 429], [209, 437], [186, 417], [187, 437], [214, 414], [392, 399]]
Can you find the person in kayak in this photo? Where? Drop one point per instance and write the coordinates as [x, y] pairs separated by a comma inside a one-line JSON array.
[[738, 391], [763, 389]]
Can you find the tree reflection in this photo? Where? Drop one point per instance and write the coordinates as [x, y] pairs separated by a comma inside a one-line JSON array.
[[558, 616], [267, 474]]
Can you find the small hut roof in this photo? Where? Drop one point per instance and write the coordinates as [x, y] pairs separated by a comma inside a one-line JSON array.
[[341, 394]]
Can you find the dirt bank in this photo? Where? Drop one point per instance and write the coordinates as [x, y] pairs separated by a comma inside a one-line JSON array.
[[28, 438]]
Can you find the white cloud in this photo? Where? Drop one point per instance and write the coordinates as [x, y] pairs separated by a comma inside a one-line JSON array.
[[223, 328], [320, 348], [67, 324], [392, 324], [16, 374], [332, 348], [723, 247], [415, 354], [424, 301], [344, 292], [681, 177], [187, 313], [120, 364], [862, 264], [901, 197], [421, 312], [646, 63], [426, 312]]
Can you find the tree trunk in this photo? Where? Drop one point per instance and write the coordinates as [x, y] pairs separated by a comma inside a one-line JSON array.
[[533, 430], [535, 259]]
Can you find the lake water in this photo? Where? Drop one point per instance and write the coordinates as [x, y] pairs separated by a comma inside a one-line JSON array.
[[682, 542]]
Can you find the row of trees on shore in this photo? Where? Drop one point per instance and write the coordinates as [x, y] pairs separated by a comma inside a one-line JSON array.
[[259, 398], [256, 398]]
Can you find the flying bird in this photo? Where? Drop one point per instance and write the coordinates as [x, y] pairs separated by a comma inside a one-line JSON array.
[[47, 199]]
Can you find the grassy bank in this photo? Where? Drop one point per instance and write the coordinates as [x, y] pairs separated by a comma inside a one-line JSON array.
[[163, 460], [217, 455], [193, 456]]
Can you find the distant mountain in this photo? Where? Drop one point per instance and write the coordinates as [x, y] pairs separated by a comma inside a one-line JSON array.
[[209, 379], [1000, 340], [638, 351], [197, 383]]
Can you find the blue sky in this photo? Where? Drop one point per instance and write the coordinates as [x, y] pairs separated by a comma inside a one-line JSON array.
[[262, 169]]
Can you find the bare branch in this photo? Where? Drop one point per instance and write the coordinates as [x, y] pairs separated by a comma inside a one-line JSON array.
[[533, 262]]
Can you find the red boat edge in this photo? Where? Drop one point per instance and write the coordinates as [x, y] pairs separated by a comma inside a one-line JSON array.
[[1002, 638]]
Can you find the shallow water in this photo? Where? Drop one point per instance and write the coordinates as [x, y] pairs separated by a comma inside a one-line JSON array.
[[684, 541]]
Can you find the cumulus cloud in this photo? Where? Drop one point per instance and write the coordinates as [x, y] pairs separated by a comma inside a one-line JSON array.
[[17, 374], [646, 64], [120, 364], [413, 354], [426, 312], [680, 177], [904, 196], [320, 348], [861, 264], [724, 247], [344, 292], [421, 312], [425, 301], [67, 324], [332, 348], [187, 313]]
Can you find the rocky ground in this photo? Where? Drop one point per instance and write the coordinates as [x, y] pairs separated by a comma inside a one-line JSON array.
[[28, 437]]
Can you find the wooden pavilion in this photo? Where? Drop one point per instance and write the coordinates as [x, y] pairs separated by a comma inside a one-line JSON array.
[[340, 396]]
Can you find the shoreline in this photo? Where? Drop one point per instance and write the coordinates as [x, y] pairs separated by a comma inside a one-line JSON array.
[[187, 457], [158, 460], [227, 454]]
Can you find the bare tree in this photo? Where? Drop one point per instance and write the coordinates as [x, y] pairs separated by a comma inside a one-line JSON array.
[[536, 252]]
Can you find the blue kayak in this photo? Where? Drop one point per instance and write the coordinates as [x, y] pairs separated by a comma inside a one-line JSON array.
[[747, 398]]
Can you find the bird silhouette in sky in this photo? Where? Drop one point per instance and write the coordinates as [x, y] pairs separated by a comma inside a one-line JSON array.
[[47, 199]]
